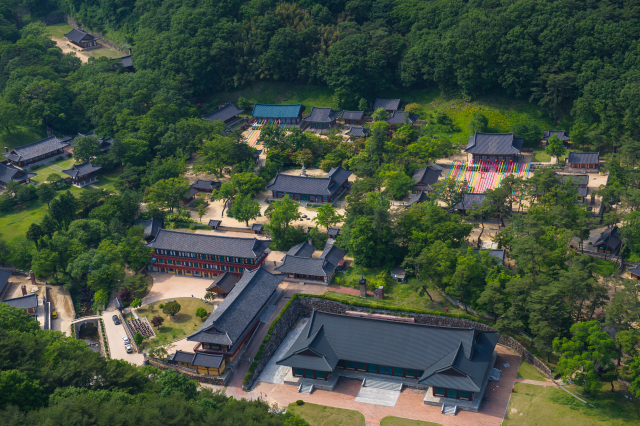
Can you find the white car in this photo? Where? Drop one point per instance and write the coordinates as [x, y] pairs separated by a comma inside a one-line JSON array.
[[125, 339], [128, 348]]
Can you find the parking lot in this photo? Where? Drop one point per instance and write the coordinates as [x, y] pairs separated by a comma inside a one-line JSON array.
[[114, 337]]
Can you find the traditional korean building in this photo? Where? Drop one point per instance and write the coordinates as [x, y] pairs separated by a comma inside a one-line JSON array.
[[417, 198], [322, 118], [232, 323], [584, 160], [226, 113], [4, 281], [609, 241], [562, 135], [311, 189], [150, 226], [353, 117], [635, 272], [201, 185], [286, 114], [425, 178], [357, 132], [388, 104], [580, 182], [469, 202], [454, 365], [223, 284], [494, 147], [201, 363], [10, 173], [83, 174], [126, 62], [400, 118], [29, 303], [299, 265], [81, 38], [203, 255], [105, 142], [498, 254], [36, 151]]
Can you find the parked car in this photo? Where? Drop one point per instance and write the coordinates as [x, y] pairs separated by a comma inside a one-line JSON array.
[[125, 339], [116, 320], [54, 315], [128, 348]]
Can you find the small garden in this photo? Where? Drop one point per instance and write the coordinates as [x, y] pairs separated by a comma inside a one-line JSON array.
[[182, 323]]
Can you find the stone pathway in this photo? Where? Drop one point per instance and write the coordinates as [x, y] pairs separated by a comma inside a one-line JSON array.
[[535, 382]]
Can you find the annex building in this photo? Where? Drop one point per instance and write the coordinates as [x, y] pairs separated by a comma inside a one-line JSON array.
[[453, 364], [311, 189], [202, 255]]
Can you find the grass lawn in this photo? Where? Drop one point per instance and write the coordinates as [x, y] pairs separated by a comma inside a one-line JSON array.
[[184, 323], [320, 415], [529, 372], [604, 267], [21, 136], [107, 180], [57, 30], [396, 295], [548, 405], [399, 421], [539, 156], [56, 167]]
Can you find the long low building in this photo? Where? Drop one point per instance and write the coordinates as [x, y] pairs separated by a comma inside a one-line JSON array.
[[36, 151], [285, 114], [311, 189], [453, 363], [202, 255], [232, 323], [300, 265]]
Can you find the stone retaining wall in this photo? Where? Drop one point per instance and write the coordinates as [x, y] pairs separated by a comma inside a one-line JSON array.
[[202, 378], [303, 306]]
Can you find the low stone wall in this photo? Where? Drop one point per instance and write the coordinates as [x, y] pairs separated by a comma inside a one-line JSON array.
[[303, 306], [202, 378]]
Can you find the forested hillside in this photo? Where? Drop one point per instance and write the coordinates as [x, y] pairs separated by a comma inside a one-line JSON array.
[[578, 57]]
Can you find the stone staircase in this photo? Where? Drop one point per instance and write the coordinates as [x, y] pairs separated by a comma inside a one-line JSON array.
[[449, 410], [305, 388], [382, 384]]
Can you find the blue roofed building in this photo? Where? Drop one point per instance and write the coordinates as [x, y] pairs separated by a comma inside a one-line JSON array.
[[285, 114]]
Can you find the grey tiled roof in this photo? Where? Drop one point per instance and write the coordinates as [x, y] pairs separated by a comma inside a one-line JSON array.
[[201, 359], [418, 198], [333, 254], [310, 185], [81, 169], [225, 282], [181, 356], [250, 248], [388, 104], [192, 193], [322, 115], [151, 226], [205, 185], [9, 172], [214, 223], [635, 270], [277, 111], [126, 61], [352, 115], [497, 253], [238, 311], [305, 265], [23, 302], [494, 144], [302, 250], [4, 279], [426, 176], [35, 149], [582, 191], [257, 227], [358, 131], [450, 357], [562, 135], [228, 111], [469, 201], [583, 158], [402, 117], [333, 232], [76, 35], [610, 238], [581, 180]]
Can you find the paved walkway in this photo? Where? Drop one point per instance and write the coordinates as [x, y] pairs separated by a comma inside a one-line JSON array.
[[347, 290], [535, 382]]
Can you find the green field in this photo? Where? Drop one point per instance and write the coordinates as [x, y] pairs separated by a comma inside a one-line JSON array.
[[56, 167], [183, 324], [320, 415], [57, 30], [396, 294], [548, 405], [529, 372], [399, 421]]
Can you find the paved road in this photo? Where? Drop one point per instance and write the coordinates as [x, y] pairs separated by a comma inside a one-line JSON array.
[[114, 337]]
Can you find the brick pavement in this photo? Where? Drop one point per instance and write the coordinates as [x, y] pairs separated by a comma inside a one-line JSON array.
[[410, 403]]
